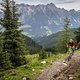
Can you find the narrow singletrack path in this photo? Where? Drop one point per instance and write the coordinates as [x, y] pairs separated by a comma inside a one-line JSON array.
[[61, 70]]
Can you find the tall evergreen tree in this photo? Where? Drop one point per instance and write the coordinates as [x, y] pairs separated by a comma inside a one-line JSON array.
[[13, 43], [65, 36], [18, 45], [6, 23]]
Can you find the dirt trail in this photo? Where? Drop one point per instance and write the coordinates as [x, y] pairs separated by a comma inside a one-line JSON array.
[[62, 70]]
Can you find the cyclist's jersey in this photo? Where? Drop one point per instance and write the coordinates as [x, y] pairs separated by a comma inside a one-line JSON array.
[[72, 46]]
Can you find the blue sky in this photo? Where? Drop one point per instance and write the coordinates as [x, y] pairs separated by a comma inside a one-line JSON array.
[[67, 4]]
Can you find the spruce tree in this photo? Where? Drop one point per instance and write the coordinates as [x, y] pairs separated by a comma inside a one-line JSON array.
[[18, 45], [13, 42], [66, 33], [65, 36], [42, 54], [6, 23]]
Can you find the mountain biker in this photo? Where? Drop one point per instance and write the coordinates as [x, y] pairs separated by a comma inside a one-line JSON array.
[[71, 45]]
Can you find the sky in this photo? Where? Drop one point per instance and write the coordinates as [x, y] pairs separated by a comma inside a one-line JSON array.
[[67, 4]]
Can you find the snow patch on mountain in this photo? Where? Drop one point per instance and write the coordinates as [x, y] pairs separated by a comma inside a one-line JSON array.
[[46, 30], [75, 20], [56, 22], [28, 34]]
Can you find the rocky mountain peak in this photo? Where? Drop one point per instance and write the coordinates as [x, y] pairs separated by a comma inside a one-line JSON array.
[[40, 20]]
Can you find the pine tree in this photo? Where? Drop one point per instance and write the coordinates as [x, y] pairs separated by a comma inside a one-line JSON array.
[[6, 23], [42, 54], [18, 45], [65, 36], [13, 42]]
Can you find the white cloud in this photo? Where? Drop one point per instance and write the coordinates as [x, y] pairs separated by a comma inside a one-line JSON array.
[[66, 1], [67, 4], [47, 1]]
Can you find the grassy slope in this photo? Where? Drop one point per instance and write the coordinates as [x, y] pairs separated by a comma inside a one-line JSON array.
[[34, 63], [27, 70]]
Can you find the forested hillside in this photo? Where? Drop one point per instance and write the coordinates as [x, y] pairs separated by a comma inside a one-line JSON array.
[[52, 40], [31, 45]]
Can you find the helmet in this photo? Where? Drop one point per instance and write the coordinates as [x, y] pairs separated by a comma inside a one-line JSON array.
[[71, 40]]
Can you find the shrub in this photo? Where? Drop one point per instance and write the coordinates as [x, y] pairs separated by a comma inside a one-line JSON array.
[[42, 54]]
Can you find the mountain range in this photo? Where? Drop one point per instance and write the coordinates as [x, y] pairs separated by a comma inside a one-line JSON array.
[[41, 20], [44, 20]]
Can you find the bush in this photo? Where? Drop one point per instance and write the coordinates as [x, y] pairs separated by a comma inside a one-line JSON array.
[[18, 61], [42, 54]]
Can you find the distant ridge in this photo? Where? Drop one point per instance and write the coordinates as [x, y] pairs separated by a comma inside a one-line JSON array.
[[31, 45], [44, 20]]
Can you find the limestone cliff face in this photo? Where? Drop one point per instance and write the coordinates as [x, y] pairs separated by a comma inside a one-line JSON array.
[[43, 20]]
